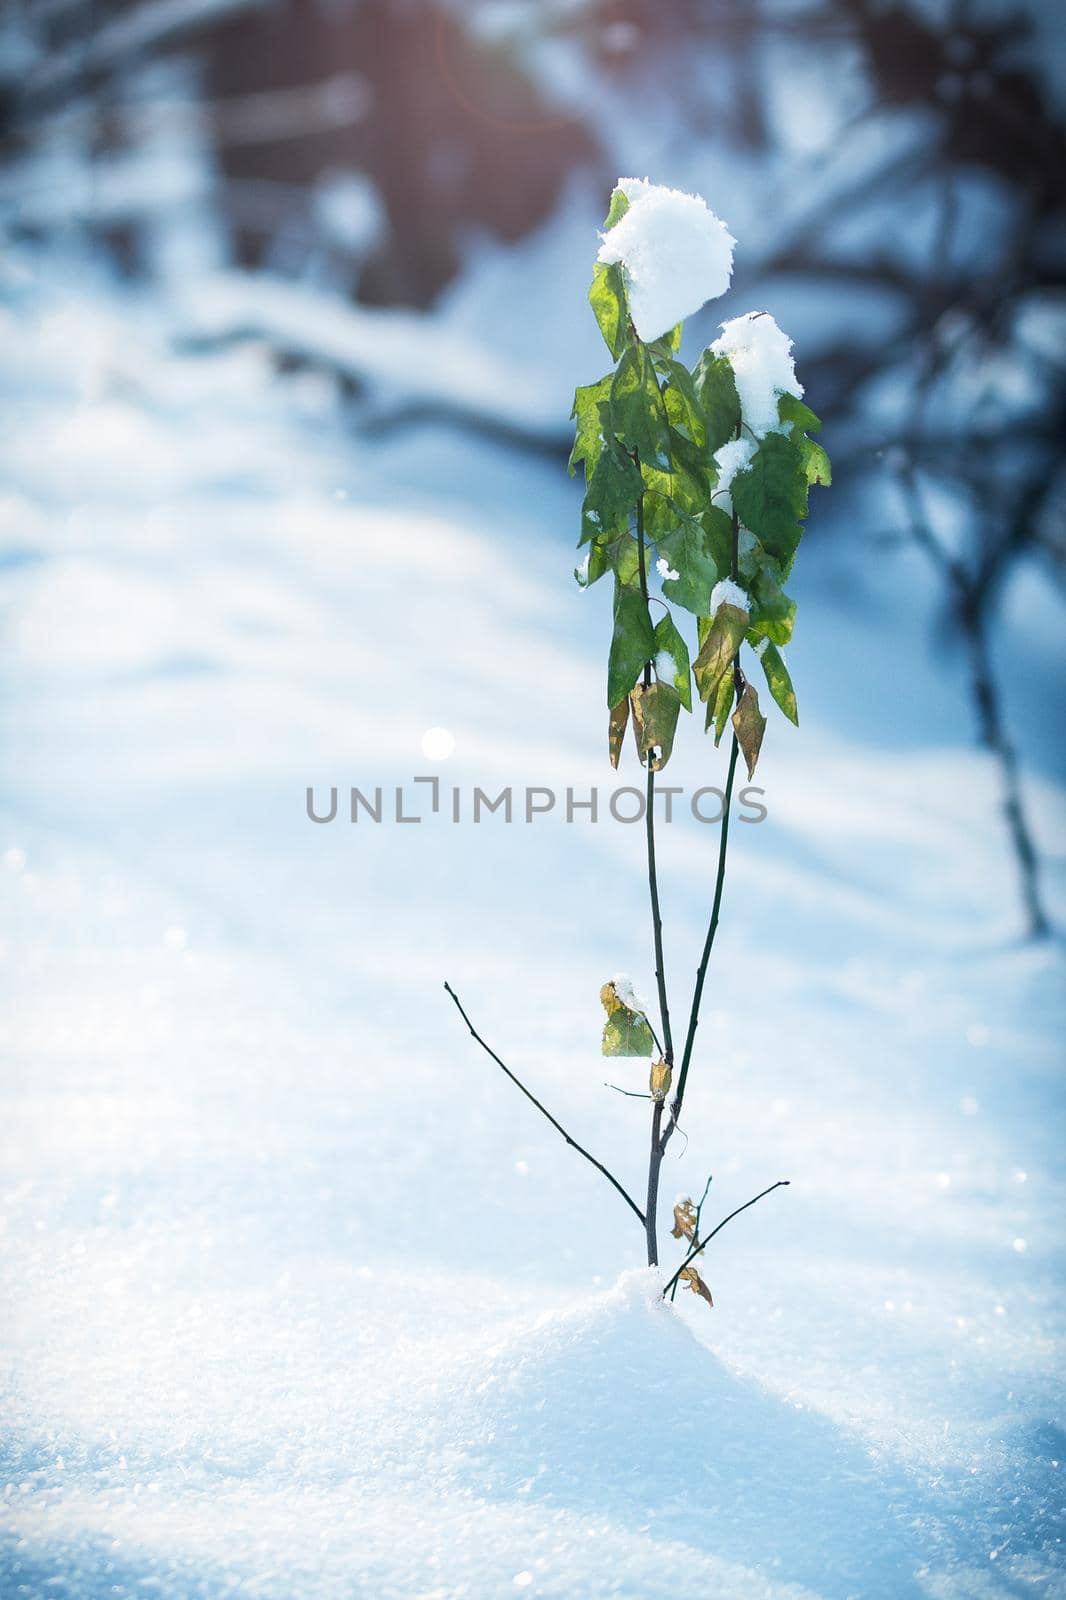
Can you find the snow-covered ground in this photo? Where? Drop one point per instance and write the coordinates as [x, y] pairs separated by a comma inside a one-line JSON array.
[[301, 1298]]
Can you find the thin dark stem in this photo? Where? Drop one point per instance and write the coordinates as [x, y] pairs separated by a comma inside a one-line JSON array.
[[630, 1094], [655, 1153], [719, 885], [782, 1183], [611, 1179], [708, 945]]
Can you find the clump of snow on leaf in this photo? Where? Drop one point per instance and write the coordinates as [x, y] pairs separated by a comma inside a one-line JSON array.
[[623, 988], [728, 593], [665, 667], [732, 458], [674, 252], [664, 569], [761, 358]]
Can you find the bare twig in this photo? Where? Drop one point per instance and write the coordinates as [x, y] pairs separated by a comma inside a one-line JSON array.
[[611, 1179], [782, 1183]]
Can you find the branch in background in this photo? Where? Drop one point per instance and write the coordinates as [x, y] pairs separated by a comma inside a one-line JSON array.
[[611, 1179], [969, 605]]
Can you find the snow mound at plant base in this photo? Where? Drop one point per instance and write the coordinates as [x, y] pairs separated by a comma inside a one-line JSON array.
[[613, 1409]]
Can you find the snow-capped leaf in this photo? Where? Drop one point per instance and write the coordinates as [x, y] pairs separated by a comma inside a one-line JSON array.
[[655, 712], [670, 643], [770, 497], [659, 1079], [626, 1032], [778, 680], [632, 643], [716, 391], [607, 297], [684, 1220], [719, 648], [749, 725], [689, 1276], [616, 730]]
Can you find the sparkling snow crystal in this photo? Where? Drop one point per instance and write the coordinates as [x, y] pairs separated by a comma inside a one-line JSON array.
[[761, 357], [675, 254], [728, 593]]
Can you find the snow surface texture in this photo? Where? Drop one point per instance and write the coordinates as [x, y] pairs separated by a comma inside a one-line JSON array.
[[761, 357], [301, 1298], [675, 255]]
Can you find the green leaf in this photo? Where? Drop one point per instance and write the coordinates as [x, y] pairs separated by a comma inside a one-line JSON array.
[[607, 297], [772, 610], [716, 391], [617, 210], [698, 550], [588, 425], [670, 642], [655, 713], [682, 404], [719, 648], [790, 408], [637, 412], [610, 495], [626, 1033], [749, 725], [770, 496], [815, 461], [632, 643], [778, 680]]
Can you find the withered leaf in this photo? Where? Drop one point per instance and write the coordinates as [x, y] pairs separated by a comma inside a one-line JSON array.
[[655, 712], [684, 1220], [616, 730], [719, 648], [749, 725], [719, 708], [690, 1276], [659, 1081]]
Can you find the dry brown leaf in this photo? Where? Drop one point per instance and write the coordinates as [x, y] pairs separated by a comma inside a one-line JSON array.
[[656, 707], [749, 725], [719, 649], [690, 1276], [684, 1220], [616, 730], [659, 1082]]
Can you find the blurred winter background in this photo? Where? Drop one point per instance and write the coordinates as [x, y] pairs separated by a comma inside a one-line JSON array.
[[299, 1297]]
